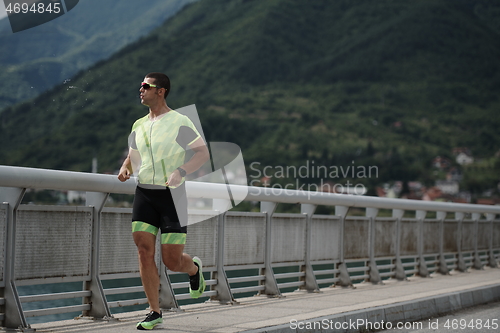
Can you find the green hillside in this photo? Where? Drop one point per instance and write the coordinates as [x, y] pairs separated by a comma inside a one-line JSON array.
[[36, 59], [389, 83]]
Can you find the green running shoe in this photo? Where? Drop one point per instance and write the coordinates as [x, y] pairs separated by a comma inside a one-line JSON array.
[[197, 281], [152, 319]]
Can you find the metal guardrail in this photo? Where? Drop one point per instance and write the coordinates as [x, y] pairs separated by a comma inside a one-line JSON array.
[[260, 252]]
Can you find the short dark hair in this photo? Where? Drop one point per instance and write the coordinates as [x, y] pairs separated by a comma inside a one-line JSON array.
[[161, 80]]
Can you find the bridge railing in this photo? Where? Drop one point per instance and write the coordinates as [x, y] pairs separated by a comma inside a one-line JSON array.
[[243, 252]]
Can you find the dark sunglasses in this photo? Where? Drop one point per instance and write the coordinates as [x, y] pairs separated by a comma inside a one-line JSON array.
[[146, 86]]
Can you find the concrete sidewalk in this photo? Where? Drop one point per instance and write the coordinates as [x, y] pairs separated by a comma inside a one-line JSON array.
[[332, 308]]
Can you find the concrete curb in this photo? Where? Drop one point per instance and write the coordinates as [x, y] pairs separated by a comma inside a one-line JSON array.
[[372, 319]]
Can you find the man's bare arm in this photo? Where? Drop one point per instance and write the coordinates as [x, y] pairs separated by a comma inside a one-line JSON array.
[[126, 169], [201, 155]]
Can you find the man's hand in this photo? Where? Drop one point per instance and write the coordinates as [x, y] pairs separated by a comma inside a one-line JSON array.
[[126, 169], [175, 179], [124, 174]]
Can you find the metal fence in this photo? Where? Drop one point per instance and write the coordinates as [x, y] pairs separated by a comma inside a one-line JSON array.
[[243, 252]]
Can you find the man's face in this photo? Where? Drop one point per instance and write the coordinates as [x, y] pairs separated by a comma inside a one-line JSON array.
[[148, 95]]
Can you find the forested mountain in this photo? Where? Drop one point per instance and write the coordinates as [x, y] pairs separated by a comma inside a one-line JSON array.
[[34, 60], [387, 83]]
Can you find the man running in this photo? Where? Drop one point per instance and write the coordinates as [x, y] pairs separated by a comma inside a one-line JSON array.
[[157, 151]]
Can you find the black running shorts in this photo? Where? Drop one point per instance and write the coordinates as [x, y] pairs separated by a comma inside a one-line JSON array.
[[164, 209]]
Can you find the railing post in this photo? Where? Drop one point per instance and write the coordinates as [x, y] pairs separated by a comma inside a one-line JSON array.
[[224, 294], [400, 271], [166, 295], [443, 267], [311, 284], [13, 310], [99, 305], [460, 260], [478, 264], [492, 262], [372, 213], [422, 266], [271, 286], [344, 278]]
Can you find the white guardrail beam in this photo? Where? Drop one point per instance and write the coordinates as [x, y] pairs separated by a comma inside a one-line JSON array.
[[475, 242], [22, 177]]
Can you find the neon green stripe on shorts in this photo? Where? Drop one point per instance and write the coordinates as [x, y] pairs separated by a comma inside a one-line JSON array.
[[173, 238], [143, 226]]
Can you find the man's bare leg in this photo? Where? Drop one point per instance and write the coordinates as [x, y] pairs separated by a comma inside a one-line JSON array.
[[146, 243], [176, 260]]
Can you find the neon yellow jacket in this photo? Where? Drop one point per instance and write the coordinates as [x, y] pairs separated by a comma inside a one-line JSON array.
[[161, 145]]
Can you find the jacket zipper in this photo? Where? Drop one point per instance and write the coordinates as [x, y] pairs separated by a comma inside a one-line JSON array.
[[151, 150]]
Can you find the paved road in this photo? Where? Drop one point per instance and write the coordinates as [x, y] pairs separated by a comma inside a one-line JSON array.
[[480, 319], [392, 301]]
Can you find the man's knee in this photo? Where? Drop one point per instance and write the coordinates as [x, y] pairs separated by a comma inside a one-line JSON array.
[[145, 252], [146, 245], [172, 256], [173, 264]]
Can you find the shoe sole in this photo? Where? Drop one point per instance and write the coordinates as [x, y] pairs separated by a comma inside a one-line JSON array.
[[142, 328], [197, 293]]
